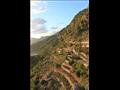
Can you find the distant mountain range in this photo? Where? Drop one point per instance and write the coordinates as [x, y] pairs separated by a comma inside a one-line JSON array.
[[35, 40]]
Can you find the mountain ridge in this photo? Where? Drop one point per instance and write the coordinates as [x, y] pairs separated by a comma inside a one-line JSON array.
[[66, 32]]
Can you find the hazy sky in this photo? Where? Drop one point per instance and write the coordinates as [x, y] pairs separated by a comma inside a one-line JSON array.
[[48, 17]]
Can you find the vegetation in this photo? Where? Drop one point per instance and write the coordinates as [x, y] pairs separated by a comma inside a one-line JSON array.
[[58, 65], [48, 58]]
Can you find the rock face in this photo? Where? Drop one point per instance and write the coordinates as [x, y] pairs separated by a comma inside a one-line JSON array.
[[64, 56]]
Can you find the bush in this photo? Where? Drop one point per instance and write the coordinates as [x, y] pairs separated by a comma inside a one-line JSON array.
[[58, 65], [78, 72], [71, 62], [44, 82], [36, 82]]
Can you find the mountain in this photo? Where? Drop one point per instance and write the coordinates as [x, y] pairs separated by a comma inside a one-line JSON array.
[[63, 57], [35, 40], [77, 30]]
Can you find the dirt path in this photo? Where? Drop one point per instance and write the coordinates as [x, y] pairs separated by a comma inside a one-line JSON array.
[[66, 76], [70, 72], [70, 76]]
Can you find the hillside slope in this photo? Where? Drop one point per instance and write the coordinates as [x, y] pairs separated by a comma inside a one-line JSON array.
[[63, 57], [76, 31]]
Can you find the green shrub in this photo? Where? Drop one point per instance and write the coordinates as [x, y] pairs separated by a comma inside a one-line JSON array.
[[78, 73]]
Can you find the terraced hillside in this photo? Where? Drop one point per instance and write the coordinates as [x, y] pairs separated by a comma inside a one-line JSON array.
[[62, 61]]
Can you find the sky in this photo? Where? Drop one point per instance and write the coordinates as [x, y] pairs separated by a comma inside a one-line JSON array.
[[48, 17]]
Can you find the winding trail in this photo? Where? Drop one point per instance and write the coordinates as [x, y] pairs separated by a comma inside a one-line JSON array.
[[68, 74]]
